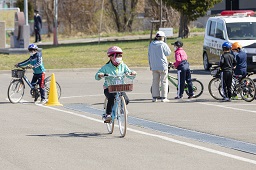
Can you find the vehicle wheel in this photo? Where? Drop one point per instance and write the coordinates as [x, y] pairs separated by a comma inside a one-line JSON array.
[[110, 125], [198, 88], [16, 91], [47, 84], [247, 89], [215, 89], [122, 116], [206, 62]]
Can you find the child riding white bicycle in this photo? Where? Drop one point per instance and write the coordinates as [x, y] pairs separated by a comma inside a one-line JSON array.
[[36, 62], [115, 66]]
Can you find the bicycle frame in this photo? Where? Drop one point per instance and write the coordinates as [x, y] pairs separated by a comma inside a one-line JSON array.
[[116, 102], [27, 81], [173, 80]]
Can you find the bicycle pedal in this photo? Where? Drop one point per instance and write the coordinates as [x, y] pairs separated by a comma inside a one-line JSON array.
[[107, 121]]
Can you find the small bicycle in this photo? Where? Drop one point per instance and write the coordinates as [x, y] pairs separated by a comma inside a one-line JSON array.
[[118, 84], [240, 85], [198, 86], [17, 86]]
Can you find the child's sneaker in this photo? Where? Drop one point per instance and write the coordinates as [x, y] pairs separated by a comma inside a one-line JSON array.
[[178, 97], [107, 119], [43, 101], [190, 97]]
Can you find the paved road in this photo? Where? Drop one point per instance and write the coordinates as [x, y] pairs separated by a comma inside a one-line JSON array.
[[191, 134]]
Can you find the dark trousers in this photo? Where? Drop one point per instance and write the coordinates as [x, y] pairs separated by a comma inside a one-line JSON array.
[[111, 99], [227, 83], [184, 75], [39, 78], [37, 35]]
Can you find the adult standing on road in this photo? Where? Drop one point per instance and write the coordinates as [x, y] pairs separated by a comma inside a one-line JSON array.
[[37, 26], [158, 51]]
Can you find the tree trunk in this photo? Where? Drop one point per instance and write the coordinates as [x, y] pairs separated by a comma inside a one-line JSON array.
[[184, 22]]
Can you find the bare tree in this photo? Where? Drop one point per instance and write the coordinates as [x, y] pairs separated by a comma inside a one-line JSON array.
[[124, 12]]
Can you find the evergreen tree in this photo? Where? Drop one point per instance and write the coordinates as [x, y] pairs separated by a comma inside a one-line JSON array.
[[190, 10]]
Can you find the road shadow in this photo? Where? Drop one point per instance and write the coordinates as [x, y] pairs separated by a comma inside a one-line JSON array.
[[73, 134], [194, 72]]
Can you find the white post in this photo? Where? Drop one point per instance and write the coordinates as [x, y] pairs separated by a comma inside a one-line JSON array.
[[26, 11]]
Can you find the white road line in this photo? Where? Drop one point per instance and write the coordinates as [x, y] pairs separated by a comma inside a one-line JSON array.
[[164, 138], [227, 107]]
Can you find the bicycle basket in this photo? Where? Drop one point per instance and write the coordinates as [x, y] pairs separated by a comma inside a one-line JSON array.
[[120, 84], [16, 73]]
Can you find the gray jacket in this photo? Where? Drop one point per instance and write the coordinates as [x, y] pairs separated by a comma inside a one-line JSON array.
[[157, 55]]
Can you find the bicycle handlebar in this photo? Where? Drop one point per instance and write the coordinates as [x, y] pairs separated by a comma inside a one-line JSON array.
[[24, 68]]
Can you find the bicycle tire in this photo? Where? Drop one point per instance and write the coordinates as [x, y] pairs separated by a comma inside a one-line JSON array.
[[121, 114], [16, 91], [198, 88], [47, 83], [247, 89], [110, 125], [214, 88]]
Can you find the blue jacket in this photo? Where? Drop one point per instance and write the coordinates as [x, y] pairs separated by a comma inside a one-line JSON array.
[[157, 55], [36, 61], [241, 67], [109, 68]]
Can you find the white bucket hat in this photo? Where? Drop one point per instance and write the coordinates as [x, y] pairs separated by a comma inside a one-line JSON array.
[[160, 34]]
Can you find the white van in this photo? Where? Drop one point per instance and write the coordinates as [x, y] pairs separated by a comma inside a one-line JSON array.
[[230, 26]]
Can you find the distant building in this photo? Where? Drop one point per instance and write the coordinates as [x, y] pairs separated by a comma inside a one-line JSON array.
[[233, 5]]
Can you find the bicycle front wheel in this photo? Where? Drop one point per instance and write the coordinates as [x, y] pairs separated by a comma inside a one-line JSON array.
[[122, 116], [47, 84], [110, 125], [198, 88], [215, 89], [247, 90], [16, 91]]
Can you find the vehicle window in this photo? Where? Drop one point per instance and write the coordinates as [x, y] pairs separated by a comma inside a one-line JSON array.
[[241, 31], [219, 31], [212, 28]]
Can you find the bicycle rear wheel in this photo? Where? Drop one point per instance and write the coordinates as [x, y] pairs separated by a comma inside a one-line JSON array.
[[198, 88], [16, 91], [215, 89], [121, 114], [247, 89], [110, 125], [47, 83]]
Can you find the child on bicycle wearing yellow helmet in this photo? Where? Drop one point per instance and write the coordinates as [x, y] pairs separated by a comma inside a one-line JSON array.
[[115, 66]]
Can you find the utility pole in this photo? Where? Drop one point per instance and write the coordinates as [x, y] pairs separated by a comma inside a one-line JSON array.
[[161, 13], [55, 29], [102, 10]]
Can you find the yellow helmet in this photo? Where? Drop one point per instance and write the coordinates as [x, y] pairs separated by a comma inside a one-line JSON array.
[[236, 45]]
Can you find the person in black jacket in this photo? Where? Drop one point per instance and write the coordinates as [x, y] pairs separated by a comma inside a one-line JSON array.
[[227, 64], [37, 26]]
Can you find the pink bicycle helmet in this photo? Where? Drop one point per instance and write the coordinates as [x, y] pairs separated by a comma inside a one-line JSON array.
[[114, 50]]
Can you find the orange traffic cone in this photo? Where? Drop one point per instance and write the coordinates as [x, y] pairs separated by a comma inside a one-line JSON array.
[[53, 95]]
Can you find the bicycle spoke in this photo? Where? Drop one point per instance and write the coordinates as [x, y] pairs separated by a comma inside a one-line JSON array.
[[15, 91]]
